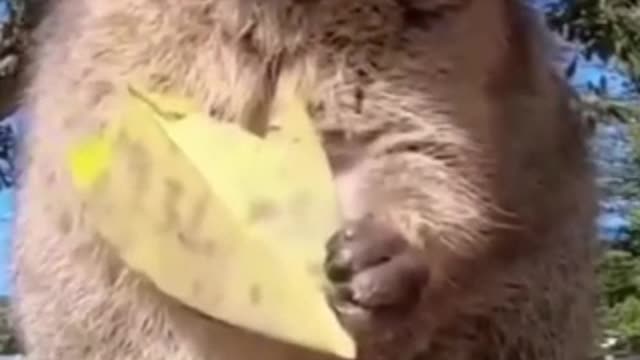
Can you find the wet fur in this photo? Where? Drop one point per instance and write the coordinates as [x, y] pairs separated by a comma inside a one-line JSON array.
[[443, 119]]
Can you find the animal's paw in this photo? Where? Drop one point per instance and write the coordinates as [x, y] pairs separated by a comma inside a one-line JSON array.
[[376, 276]]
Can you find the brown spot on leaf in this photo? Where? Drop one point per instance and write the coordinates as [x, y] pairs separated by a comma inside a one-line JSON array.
[[200, 209], [255, 295], [123, 140], [173, 193], [300, 203], [196, 244], [139, 165], [196, 288], [315, 269], [261, 210]]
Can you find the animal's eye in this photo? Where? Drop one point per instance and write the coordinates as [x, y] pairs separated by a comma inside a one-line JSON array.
[[407, 146], [432, 5], [427, 11]]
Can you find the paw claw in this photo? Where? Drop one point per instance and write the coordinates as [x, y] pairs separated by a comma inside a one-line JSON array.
[[372, 270]]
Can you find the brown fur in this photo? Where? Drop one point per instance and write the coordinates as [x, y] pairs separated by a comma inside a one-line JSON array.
[[460, 134]]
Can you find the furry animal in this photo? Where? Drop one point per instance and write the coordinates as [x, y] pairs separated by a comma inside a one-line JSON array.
[[461, 166]]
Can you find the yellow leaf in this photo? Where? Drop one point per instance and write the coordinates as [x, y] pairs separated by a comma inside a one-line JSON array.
[[227, 222], [90, 162]]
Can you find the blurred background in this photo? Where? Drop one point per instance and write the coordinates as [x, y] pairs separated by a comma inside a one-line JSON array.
[[599, 42]]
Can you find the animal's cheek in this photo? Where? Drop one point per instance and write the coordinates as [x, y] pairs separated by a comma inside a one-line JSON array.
[[367, 189], [352, 195]]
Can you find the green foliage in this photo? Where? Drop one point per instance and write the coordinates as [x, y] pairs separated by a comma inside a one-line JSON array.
[[620, 276], [609, 31], [8, 342], [623, 321], [15, 38], [606, 29]]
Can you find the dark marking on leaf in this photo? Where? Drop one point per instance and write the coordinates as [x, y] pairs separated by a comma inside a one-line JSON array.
[[139, 164], [102, 183], [196, 244], [315, 269], [172, 116], [274, 128], [300, 203], [173, 193], [166, 114], [123, 140], [255, 295], [200, 209], [261, 210], [196, 288]]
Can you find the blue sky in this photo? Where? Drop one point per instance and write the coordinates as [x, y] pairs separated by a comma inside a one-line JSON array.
[[591, 71], [6, 223], [588, 70], [612, 223]]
